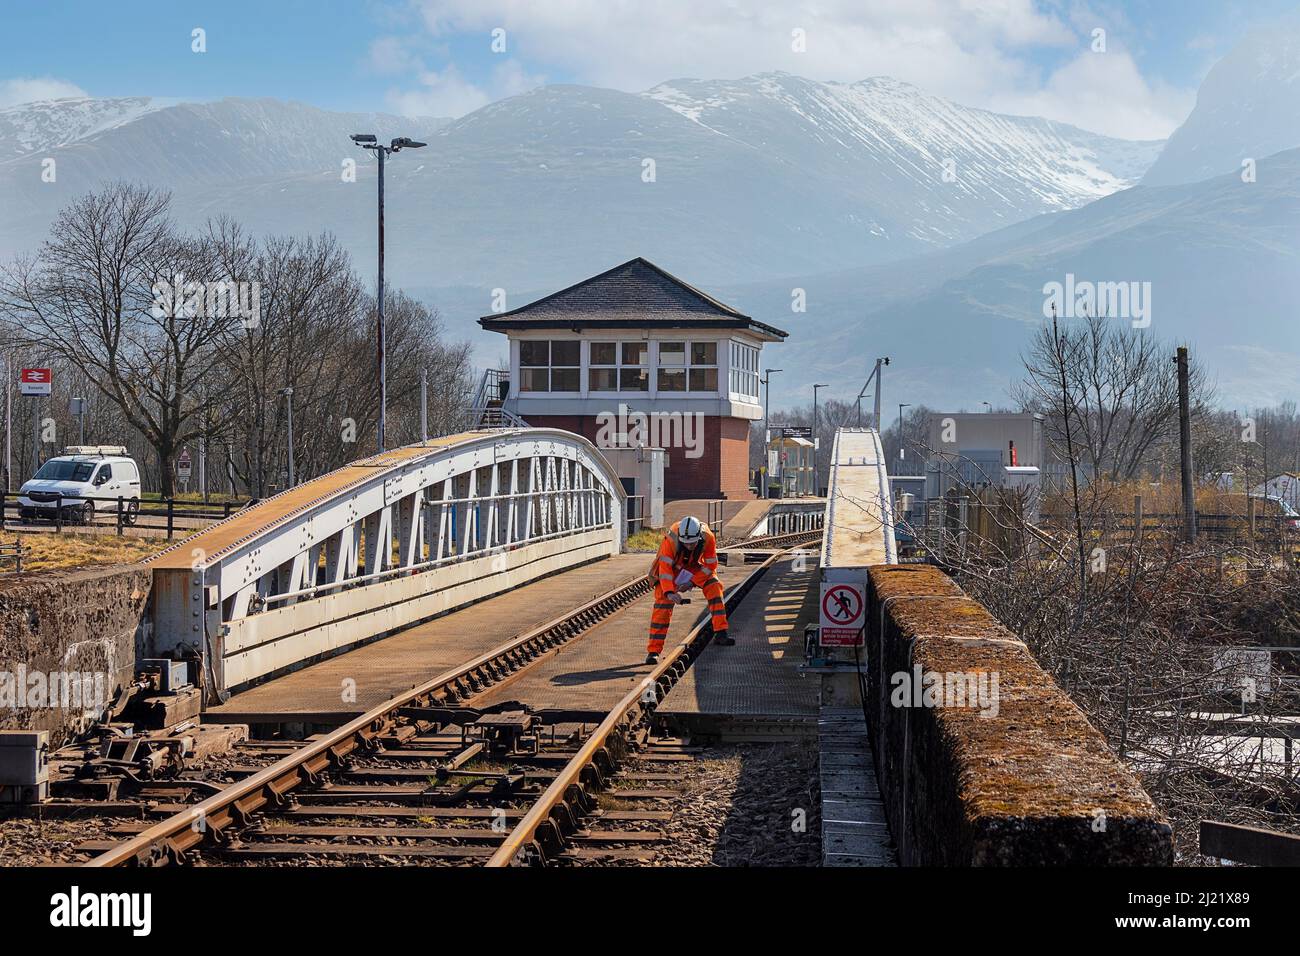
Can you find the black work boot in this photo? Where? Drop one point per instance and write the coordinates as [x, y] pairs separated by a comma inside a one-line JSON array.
[[652, 658], [723, 638]]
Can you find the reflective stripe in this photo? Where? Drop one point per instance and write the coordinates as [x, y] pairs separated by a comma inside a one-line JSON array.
[[667, 561]]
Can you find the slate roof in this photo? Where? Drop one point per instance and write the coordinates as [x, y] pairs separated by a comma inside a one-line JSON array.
[[636, 294]]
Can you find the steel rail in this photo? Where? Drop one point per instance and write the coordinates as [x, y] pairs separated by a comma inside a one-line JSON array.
[[544, 828], [787, 539], [214, 818]]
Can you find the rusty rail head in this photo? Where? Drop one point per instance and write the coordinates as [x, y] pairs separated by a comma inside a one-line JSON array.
[[525, 832], [164, 840]]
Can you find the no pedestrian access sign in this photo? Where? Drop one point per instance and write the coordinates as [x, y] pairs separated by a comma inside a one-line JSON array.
[[843, 613], [183, 466]]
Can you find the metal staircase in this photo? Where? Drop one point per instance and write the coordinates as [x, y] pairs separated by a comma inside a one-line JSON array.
[[488, 406]]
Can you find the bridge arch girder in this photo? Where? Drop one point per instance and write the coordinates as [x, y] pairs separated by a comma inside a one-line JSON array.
[[374, 546]]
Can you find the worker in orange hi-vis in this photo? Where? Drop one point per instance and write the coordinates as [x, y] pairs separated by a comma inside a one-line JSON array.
[[688, 556]]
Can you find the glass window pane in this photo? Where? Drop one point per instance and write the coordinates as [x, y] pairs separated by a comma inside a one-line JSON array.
[[565, 379], [565, 353], [534, 354], [633, 380], [603, 380], [672, 353], [704, 353], [604, 353], [672, 379], [534, 379], [704, 380], [634, 353]]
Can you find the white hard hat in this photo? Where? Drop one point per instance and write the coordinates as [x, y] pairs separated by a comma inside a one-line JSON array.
[[689, 531]]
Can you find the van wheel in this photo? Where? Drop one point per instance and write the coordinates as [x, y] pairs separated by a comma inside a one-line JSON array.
[[132, 512], [87, 513]]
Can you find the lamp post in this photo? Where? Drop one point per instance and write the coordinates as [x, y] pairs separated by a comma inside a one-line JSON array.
[[902, 451], [876, 375], [287, 392], [767, 403], [368, 141], [816, 484], [988, 407]]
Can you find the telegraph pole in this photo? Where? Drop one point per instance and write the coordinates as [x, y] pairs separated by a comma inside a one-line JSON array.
[[767, 402], [424, 404], [816, 441], [1185, 445]]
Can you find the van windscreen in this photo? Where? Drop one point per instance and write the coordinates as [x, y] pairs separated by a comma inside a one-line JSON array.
[[63, 470]]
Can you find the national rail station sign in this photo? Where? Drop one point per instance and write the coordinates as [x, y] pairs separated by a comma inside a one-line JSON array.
[[843, 612], [35, 381]]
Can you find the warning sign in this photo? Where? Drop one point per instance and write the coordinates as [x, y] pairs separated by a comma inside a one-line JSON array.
[[843, 613]]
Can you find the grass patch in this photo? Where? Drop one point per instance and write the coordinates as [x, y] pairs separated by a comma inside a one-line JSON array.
[[646, 539], [70, 550]]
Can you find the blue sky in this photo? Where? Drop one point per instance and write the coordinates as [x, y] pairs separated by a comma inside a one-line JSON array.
[[434, 57]]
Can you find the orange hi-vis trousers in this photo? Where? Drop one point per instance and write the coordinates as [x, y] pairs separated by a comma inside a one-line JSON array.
[[662, 614]]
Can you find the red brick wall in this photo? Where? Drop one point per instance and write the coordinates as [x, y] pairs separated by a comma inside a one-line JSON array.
[[721, 471]]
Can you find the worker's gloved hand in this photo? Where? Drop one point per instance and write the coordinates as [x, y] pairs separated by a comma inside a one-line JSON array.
[[674, 597]]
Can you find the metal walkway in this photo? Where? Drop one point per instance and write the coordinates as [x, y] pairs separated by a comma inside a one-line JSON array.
[[759, 678]]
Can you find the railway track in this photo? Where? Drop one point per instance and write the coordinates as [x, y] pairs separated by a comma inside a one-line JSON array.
[[428, 776]]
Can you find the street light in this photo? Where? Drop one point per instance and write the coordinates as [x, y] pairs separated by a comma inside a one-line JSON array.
[[875, 374], [767, 402], [368, 141], [816, 486], [287, 392], [902, 451], [988, 407]]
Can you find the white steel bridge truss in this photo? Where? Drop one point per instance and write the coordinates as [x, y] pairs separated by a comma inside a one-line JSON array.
[[382, 544]]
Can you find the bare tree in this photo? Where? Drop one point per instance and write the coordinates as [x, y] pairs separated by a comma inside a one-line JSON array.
[[1111, 382], [92, 297]]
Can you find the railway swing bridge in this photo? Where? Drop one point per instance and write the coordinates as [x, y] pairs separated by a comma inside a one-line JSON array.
[[508, 696], [380, 544]]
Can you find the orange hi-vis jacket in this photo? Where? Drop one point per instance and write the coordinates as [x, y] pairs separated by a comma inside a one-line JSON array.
[[702, 566], [702, 563]]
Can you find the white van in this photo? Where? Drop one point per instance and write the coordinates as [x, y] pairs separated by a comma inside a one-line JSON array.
[[84, 481]]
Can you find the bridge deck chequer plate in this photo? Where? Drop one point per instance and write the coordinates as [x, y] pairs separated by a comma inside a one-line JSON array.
[[387, 667], [288, 503], [759, 677]]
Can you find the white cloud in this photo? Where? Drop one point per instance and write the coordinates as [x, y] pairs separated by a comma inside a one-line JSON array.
[[1106, 93], [447, 93], [978, 52], [29, 89]]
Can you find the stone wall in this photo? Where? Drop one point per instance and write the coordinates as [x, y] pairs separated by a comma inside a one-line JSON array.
[[68, 641], [1011, 774]]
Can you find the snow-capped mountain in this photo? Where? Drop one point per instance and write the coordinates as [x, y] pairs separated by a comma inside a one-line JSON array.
[[1222, 258], [768, 175], [939, 172], [48, 124], [1248, 107]]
